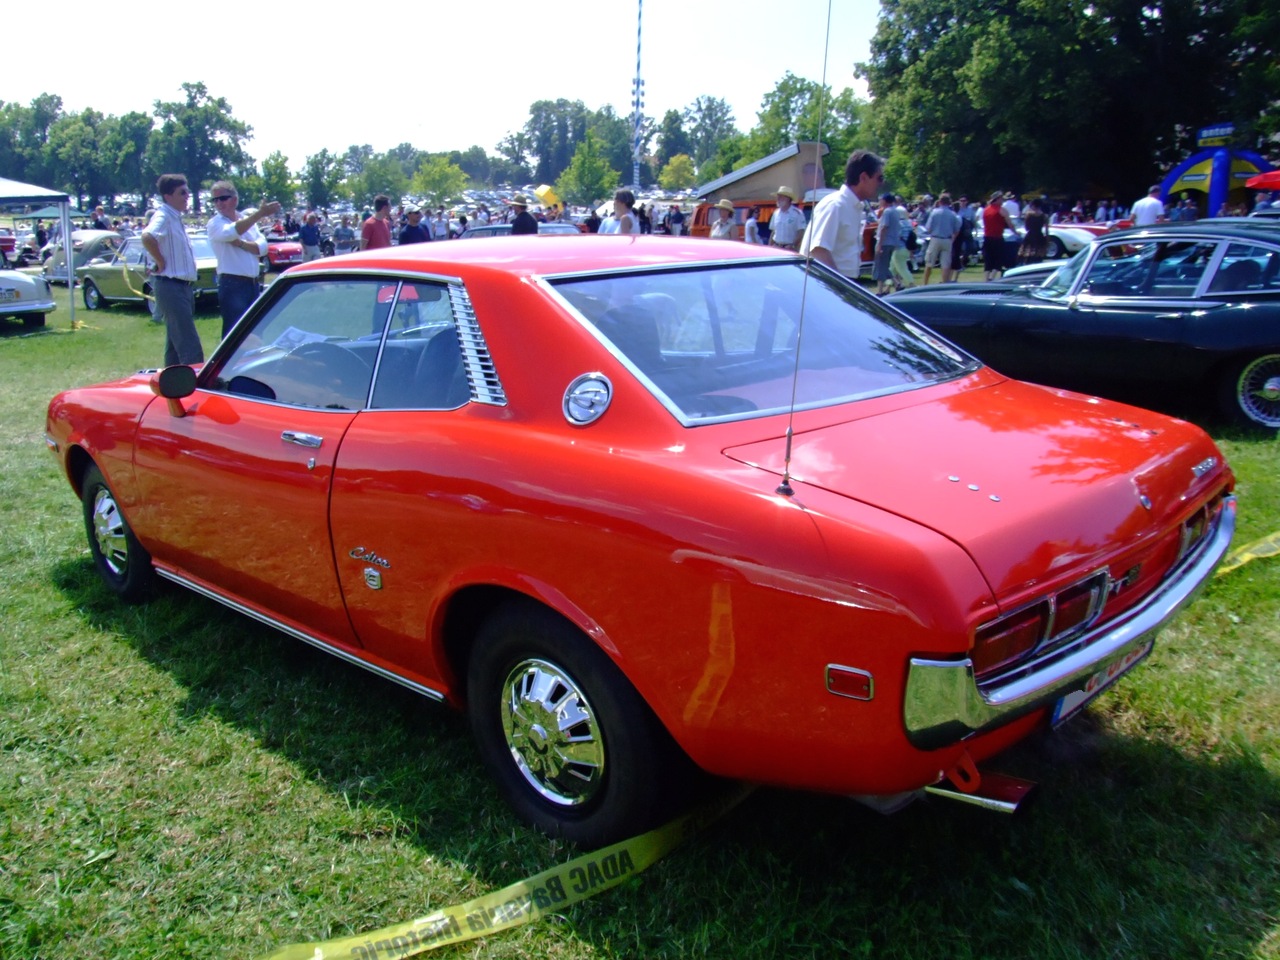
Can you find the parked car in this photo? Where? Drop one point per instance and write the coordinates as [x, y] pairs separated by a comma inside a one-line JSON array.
[[86, 245], [1181, 307], [283, 251], [123, 276], [1064, 240], [548, 481], [8, 244], [24, 297], [554, 227]]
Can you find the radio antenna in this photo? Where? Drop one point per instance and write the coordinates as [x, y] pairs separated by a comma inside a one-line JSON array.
[[784, 488]]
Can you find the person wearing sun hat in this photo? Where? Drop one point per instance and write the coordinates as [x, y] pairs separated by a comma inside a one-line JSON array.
[[524, 222], [786, 226], [723, 227]]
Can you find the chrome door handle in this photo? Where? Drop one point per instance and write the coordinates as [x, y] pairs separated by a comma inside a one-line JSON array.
[[301, 439]]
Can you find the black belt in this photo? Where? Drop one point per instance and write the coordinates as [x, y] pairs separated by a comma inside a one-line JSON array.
[[161, 276]]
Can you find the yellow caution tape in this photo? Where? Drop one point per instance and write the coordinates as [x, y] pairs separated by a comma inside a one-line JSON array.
[[547, 892], [1268, 546]]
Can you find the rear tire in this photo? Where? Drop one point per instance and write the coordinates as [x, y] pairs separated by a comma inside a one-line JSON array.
[[1249, 392], [122, 562], [1054, 250], [574, 749]]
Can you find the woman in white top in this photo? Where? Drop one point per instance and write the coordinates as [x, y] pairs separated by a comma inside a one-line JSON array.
[[722, 228], [623, 202], [751, 229]]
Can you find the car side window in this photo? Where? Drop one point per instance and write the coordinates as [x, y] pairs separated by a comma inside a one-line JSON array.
[[1243, 268], [421, 365], [1149, 268], [313, 346]]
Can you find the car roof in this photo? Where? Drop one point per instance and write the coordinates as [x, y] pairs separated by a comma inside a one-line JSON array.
[[1242, 228], [545, 255]]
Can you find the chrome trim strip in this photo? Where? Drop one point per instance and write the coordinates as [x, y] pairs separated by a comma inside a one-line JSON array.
[[942, 703], [316, 642]]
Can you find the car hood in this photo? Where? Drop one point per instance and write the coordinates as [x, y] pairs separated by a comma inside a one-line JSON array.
[[1011, 472]]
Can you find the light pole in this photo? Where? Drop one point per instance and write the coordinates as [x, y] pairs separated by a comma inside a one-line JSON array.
[[637, 103]]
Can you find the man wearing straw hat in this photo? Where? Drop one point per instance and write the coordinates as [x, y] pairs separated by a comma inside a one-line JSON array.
[[786, 226]]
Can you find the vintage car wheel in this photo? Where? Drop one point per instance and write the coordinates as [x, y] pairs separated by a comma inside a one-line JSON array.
[[93, 299], [1250, 392], [123, 563], [1054, 250], [574, 749], [149, 297]]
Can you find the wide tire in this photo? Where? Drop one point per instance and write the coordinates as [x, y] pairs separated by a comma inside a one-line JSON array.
[[574, 749], [122, 562], [1249, 392], [1054, 250]]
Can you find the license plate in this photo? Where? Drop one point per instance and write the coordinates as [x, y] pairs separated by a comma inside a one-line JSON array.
[[1077, 700], [8, 295]]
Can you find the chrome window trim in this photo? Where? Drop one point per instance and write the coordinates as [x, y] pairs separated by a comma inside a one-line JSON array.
[[967, 365], [352, 658], [942, 703]]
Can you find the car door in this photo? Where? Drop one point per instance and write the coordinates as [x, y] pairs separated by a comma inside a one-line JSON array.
[[236, 492], [123, 276]]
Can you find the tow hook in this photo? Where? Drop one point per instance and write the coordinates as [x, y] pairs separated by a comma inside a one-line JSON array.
[[991, 791]]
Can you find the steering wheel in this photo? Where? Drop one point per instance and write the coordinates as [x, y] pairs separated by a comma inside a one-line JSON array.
[[337, 369]]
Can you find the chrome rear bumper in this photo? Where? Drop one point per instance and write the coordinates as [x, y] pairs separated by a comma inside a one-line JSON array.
[[943, 703]]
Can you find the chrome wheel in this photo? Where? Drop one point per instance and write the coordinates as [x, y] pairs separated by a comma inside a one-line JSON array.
[[552, 733], [1257, 391], [1054, 250], [92, 297], [109, 532], [122, 562]]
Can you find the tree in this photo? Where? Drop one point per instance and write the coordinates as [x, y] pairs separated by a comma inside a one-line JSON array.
[[678, 174], [798, 109], [355, 158], [474, 162], [382, 173], [74, 154], [709, 121], [321, 179], [438, 181], [554, 130], [277, 183], [408, 156], [1081, 96], [672, 140], [588, 178], [197, 136], [123, 142]]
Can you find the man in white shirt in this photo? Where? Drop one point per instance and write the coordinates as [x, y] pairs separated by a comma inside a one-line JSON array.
[[173, 271], [1149, 209], [834, 236], [786, 226], [238, 245], [1011, 207]]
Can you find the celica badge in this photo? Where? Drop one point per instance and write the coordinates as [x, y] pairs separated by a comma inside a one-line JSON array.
[[1204, 466]]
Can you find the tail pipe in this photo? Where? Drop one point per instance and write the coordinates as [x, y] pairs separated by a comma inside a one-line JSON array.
[[991, 791]]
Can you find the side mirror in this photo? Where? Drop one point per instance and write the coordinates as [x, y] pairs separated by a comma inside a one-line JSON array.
[[174, 383]]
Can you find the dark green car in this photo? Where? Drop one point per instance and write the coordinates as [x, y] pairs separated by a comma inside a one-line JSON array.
[[123, 277]]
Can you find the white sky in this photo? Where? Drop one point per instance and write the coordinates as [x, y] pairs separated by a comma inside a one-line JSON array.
[[450, 75]]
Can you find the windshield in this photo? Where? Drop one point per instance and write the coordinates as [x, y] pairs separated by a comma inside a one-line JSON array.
[[721, 342], [1060, 282]]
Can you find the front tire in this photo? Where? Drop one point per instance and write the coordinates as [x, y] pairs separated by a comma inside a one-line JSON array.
[[1249, 392], [122, 562], [574, 749], [1054, 250]]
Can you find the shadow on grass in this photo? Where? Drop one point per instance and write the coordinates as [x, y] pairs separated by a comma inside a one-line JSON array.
[[1133, 849]]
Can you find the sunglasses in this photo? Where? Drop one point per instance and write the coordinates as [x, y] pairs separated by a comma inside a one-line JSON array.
[[220, 199]]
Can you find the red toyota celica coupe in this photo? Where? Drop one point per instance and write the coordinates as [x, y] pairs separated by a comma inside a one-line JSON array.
[[648, 508]]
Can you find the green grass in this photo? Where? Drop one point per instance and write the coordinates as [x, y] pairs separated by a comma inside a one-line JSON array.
[[178, 781]]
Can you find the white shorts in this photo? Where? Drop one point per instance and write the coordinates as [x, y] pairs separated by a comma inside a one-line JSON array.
[[938, 253]]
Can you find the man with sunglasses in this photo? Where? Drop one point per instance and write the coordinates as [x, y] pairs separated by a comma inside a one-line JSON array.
[[834, 236], [173, 271], [238, 245]]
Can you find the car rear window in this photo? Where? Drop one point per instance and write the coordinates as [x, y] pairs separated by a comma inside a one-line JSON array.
[[722, 342]]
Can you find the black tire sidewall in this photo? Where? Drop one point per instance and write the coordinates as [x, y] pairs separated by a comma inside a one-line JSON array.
[[637, 749], [135, 583]]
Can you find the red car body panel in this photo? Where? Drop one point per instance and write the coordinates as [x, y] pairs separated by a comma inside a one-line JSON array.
[[670, 547]]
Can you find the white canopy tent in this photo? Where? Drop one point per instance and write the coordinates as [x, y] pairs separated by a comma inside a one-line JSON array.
[[14, 191]]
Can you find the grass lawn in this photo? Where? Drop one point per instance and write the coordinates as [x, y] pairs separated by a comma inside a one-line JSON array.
[[178, 781]]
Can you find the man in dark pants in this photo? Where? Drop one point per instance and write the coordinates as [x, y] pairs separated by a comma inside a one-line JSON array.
[[239, 246], [174, 271]]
